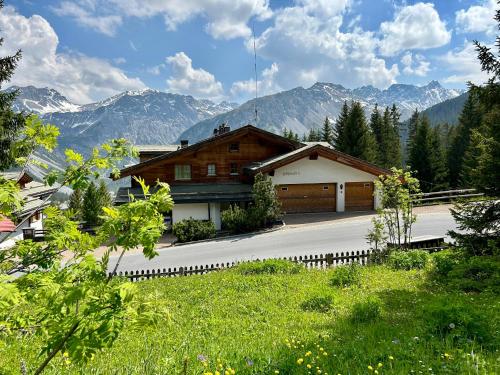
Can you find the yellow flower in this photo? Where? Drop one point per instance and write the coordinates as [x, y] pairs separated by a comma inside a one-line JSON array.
[[232, 372], [300, 361], [370, 368], [379, 365], [308, 365], [65, 354], [391, 358], [325, 353], [375, 372], [208, 373], [308, 354], [227, 372], [217, 373], [321, 349], [276, 371], [319, 371]]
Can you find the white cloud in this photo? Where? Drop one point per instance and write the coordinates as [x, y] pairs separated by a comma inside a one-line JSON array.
[[103, 24], [225, 19], [156, 70], [307, 45], [185, 79], [415, 65], [414, 27], [77, 76], [464, 64], [477, 19], [265, 86]]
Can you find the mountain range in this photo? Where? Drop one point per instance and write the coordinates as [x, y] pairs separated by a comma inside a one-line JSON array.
[[155, 117]]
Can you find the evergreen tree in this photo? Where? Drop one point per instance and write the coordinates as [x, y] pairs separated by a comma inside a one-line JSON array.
[[359, 141], [314, 135], [437, 158], [104, 196], [338, 136], [389, 148], [91, 205], [376, 129], [412, 125], [290, 135], [327, 131], [76, 203], [11, 123], [469, 119]]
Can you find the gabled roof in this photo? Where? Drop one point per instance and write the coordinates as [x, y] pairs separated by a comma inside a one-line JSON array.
[[321, 150], [156, 149], [128, 171]]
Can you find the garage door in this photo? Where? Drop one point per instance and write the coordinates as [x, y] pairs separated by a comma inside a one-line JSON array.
[[359, 196], [307, 197]]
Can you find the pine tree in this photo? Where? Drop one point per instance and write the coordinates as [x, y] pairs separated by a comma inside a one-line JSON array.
[[389, 146], [439, 170], [412, 125], [91, 205], [376, 128], [104, 196], [327, 131], [76, 203], [314, 135], [359, 141], [338, 136], [11, 123], [469, 119]]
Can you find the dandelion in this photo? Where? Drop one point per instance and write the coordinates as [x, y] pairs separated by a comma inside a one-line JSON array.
[[308, 353], [217, 372], [65, 355], [375, 372], [391, 358], [370, 368], [300, 361], [451, 325], [379, 365], [276, 371], [308, 365], [325, 353]]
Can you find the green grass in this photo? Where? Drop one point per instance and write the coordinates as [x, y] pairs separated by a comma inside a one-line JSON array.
[[256, 324]]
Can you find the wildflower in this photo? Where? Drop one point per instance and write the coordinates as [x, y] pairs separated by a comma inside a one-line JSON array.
[[276, 371], [249, 362], [207, 373], [201, 358], [375, 372], [451, 325], [370, 368], [391, 358], [319, 371], [65, 355], [300, 361], [379, 365], [309, 365], [325, 353], [308, 353], [217, 372]]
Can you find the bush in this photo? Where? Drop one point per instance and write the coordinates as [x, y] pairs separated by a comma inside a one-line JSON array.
[[366, 311], [318, 304], [456, 321], [269, 266], [444, 261], [476, 274], [193, 230], [346, 275], [238, 220], [408, 260]]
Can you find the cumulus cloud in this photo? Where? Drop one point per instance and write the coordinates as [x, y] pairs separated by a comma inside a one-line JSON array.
[[465, 65], [265, 86], [306, 43], [477, 19], [79, 77], [103, 24], [414, 27], [415, 65], [225, 19], [185, 79]]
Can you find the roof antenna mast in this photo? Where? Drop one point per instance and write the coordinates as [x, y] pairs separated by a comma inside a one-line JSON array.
[[255, 71]]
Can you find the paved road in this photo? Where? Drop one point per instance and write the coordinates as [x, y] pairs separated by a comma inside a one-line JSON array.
[[303, 240]]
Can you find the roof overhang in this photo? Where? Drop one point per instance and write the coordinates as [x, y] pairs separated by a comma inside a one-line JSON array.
[[320, 150]]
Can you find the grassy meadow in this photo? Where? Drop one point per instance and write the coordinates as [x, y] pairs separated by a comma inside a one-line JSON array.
[[305, 322]]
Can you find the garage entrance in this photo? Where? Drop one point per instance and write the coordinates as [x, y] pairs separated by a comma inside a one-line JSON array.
[[359, 196], [307, 197]]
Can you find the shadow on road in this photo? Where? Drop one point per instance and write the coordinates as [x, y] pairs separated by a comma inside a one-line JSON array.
[[320, 217]]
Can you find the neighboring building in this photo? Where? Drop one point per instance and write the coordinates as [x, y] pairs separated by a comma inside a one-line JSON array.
[[34, 194], [209, 175]]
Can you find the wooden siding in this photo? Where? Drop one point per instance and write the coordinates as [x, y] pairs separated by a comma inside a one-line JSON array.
[[252, 148], [359, 196], [307, 197]]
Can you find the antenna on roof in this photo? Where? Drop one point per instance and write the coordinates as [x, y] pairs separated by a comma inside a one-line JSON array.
[[255, 70]]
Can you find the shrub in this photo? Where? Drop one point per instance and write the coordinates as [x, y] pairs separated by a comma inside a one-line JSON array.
[[238, 220], [193, 230], [269, 266], [408, 260], [346, 275], [318, 304], [476, 274], [444, 261], [456, 321], [366, 311]]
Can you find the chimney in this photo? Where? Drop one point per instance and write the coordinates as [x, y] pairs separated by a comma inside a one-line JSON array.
[[184, 143], [216, 132]]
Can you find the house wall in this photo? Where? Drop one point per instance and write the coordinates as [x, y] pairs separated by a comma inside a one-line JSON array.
[[18, 234], [252, 148], [322, 170], [198, 211]]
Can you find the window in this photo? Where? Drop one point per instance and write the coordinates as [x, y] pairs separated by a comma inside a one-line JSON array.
[[211, 170], [234, 147], [325, 187], [183, 172], [234, 169], [313, 156], [284, 188]]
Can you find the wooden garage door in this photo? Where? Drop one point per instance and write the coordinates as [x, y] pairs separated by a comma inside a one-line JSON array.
[[307, 197], [359, 196]]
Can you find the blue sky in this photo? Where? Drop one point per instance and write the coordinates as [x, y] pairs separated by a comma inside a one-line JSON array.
[[91, 49]]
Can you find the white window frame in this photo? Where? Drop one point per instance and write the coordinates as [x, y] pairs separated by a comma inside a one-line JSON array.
[[211, 170], [182, 172]]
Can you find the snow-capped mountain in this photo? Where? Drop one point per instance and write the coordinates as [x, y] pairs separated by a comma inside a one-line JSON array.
[[301, 109], [144, 117], [41, 100]]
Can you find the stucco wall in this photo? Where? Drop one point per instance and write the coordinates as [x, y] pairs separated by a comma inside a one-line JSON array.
[[198, 211], [322, 170]]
